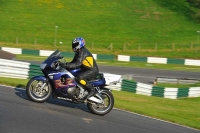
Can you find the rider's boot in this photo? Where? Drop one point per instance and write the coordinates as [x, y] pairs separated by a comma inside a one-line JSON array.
[[91, 90]]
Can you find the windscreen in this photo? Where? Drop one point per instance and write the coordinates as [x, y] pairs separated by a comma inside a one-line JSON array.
[[55, 55]]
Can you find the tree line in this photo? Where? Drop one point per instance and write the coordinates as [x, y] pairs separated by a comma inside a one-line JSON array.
[[196, 5]]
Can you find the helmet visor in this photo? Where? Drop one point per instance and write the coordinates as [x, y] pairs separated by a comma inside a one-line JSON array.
[[75, 46]]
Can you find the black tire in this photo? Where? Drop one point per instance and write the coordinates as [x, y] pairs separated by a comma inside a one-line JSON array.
[[36, 94], [98, 109]]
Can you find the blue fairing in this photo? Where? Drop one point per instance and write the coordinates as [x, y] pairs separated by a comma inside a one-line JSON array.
[[99, 82], [40, 78], [76, 72]]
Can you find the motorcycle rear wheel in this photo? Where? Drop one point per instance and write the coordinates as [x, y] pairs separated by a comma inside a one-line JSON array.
[[36, 93], [100, 109]]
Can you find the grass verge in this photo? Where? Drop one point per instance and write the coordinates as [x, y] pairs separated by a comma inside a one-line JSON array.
[[183, 111], [14, 82]]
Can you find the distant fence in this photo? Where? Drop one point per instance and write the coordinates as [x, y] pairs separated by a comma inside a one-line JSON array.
[[136, 46], [109, 57]]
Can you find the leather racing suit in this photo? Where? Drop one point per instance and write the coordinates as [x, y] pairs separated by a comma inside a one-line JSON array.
[[83, 59]]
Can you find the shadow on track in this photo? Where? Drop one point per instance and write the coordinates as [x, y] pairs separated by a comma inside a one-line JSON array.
[[20, 92]]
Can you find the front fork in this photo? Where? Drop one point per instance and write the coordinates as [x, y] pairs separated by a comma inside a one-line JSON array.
[[43, 79]]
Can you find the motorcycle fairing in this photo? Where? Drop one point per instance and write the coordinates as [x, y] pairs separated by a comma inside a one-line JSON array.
[[40, 78]]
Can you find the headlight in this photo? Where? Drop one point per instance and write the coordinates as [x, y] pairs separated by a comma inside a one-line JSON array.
[[42, 66]]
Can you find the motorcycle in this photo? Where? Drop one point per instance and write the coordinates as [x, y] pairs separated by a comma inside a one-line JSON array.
[[60, 83]]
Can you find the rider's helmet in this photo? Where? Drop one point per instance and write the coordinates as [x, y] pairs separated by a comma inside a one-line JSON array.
[[78, 43]]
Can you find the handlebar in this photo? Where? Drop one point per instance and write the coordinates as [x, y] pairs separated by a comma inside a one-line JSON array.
[[60, 57]]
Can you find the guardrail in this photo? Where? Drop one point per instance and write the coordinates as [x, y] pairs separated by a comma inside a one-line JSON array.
[[165, 92], [111, 57], [17, 69], [24, 70], [48, 52]]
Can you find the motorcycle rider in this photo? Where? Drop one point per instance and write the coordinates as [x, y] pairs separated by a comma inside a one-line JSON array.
[[83, 59]]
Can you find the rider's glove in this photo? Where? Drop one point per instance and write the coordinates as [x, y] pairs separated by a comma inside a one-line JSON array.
[[67, 65], [64, 65]]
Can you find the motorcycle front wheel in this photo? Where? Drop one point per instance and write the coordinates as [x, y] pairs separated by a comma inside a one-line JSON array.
[[102, 109], [38, 91]]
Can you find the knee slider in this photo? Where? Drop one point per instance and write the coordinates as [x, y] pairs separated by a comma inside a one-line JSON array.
[[82, 82]]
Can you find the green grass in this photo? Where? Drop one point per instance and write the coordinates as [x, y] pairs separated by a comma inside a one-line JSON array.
[[183, 111], [13, 82], [146, 28]]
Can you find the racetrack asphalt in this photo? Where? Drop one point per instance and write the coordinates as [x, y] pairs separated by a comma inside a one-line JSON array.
[[20, 115]]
